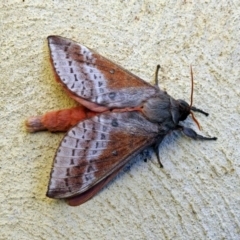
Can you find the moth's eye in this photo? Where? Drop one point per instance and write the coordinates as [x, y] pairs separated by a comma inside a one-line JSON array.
[[183, 104], [184, 110]]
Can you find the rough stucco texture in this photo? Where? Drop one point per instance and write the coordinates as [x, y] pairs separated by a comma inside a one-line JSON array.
[[197, 193]]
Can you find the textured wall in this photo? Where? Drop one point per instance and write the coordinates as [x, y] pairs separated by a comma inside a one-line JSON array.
[[197, 194]]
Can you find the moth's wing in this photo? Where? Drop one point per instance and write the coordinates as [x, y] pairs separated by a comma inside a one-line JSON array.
[[96, 149], [90, 78], [85, 196]]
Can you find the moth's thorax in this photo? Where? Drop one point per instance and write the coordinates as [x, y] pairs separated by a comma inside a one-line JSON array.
[[164, 110], [156, 108]]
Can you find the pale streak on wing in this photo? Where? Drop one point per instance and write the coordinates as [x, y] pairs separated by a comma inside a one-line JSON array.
[[95, 78], [94, 148]]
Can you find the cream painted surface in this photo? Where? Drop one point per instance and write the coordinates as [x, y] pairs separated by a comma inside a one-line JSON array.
[[197, 194]]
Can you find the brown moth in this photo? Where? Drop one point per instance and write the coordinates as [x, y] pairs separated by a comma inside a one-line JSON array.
[[119, 115]]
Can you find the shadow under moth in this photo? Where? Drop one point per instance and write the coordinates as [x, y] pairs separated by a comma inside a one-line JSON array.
[[118, 116]]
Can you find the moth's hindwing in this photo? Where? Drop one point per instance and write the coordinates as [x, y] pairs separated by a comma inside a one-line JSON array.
[[96, 148]]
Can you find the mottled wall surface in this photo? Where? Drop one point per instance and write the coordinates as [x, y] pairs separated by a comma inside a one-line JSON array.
[[197, 193]]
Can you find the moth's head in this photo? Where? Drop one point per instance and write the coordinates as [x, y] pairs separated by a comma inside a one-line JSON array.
[[184, 109]]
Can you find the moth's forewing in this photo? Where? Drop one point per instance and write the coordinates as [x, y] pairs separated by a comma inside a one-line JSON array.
[[94, 80], [96, 148]]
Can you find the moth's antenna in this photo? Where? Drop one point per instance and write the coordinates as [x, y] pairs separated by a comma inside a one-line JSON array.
[[156, 75], [191, 72], [191, 107], [191, 100], [195, 120]]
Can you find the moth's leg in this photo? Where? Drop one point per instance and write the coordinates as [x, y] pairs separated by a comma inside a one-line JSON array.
[[199, 110], [156, 150], [156, 75], [192, 134]]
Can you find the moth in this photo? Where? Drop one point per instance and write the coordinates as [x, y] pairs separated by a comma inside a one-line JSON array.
[[118, 116]]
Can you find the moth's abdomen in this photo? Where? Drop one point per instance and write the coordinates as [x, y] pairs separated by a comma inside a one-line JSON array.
[[58, 121]]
